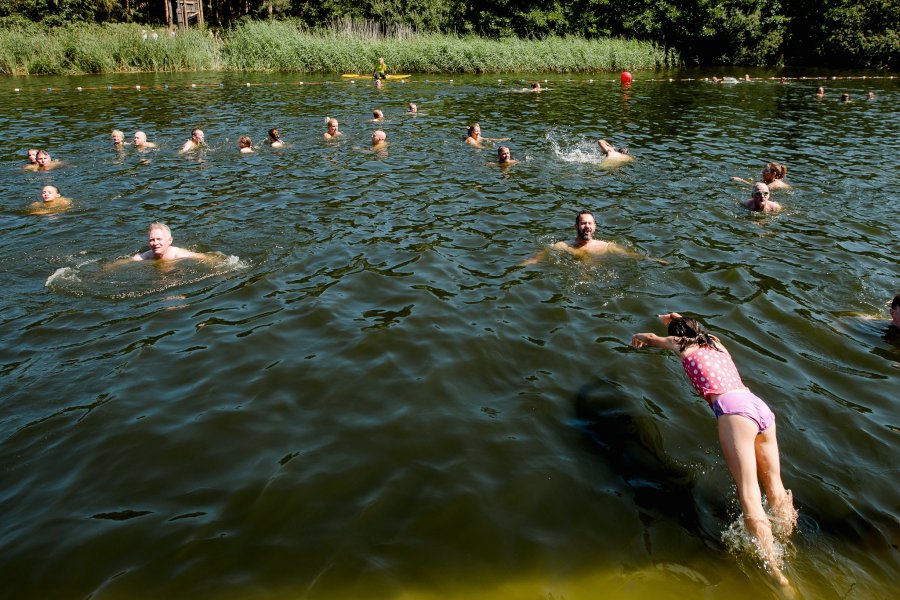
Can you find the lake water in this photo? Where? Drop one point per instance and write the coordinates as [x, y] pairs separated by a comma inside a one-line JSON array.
[[366, 395]]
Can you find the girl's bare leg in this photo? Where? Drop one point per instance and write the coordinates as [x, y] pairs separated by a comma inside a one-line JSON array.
[[737, 436], [768, 465]]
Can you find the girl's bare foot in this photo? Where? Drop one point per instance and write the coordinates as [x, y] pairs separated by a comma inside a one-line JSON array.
[[784, 517]]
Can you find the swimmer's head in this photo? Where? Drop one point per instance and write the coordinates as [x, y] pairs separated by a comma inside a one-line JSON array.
[[378, 137], [244, 142], [474, 130], [43, 158], [413, 108], [760, 193], [377, 114], [32, 155], [197, 136], [820, 91], [895, 303], [773, 171], [160, 238], [274, 135], [584, 212], [585, 225], [50, 193], [503, 154], [845, 97], [690, 332], [535, 86], [118, 137], [140, 138], [332, 126]]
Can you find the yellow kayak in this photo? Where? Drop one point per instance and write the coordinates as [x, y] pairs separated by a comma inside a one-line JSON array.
[[358, 76]]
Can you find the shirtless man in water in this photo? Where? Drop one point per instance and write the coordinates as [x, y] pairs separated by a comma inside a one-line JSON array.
[[140, 140], [197, 140], [161, 248], [585, 245], [613, 155], [51, 201]]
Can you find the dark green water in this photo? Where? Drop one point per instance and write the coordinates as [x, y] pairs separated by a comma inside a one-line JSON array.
[[368, 397]]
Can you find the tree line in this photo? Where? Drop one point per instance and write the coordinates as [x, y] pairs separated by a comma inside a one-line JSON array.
[[820, 33]]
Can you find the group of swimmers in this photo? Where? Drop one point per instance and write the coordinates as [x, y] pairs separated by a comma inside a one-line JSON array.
[[746, 425], [845, 97]]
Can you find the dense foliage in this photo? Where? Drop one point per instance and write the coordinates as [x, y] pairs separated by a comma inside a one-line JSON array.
[[852, 33]]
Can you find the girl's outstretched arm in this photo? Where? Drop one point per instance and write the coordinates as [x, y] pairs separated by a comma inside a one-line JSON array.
[[639, 340]]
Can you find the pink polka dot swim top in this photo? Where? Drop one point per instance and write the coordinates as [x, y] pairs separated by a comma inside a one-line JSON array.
[[711, 372]]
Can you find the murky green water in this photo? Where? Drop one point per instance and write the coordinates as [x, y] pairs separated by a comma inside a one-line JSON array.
[[368, 397]]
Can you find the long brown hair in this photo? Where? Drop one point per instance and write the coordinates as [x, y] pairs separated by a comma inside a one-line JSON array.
[[691, 332]]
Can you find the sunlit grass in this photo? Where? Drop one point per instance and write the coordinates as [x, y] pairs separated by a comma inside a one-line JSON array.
[[348, 46]]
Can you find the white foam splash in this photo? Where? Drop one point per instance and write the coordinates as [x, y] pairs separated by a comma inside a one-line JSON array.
[[580, 150], [64, 274]]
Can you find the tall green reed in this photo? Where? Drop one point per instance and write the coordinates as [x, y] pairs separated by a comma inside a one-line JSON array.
[[104, 49], [336, 47]]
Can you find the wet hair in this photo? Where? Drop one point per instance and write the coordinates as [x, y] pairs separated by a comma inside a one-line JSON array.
[[42, 152], [690, 332], [331, 120], [895, 303], [162, 226], [377, 113], [777, 169], [472, 128], [244, 141], [194, 131], [274, 135], [584, 212]]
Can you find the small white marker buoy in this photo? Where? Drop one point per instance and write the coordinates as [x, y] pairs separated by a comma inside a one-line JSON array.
[[79, 88], [15, 89], [137, 87], [193, 85], [248, 84]]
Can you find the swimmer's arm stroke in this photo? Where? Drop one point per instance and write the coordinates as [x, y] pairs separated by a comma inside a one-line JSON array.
[[536, 258], [742, 180], [639, 340], [614, 248]]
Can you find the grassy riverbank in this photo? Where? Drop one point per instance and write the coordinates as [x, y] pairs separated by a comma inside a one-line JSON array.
[[283, 46]]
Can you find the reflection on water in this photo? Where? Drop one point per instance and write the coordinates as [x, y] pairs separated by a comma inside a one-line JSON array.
[[367, 394]]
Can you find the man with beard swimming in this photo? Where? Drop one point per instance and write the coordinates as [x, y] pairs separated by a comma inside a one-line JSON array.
[[585, 245]]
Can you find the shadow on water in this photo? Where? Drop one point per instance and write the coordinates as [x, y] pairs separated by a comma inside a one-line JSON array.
[[632, 446]]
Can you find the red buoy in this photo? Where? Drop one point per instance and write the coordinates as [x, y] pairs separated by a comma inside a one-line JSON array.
[[625, 77]]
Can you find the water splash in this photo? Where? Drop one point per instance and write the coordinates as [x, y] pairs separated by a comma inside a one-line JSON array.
[[577, 150]]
